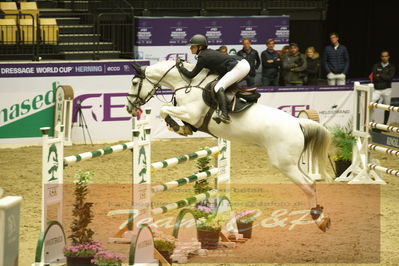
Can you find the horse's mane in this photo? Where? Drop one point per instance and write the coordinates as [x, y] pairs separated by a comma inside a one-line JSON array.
[[165, 65]]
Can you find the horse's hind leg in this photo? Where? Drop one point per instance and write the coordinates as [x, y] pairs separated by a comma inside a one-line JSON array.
[[288, 165]]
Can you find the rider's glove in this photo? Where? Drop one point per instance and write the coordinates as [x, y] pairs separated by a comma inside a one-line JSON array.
[[179, 62]]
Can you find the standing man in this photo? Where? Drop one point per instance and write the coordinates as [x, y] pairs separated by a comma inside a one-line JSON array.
[[252, 57], [383, 73], [270, 65], [294, 66], [336, 61]]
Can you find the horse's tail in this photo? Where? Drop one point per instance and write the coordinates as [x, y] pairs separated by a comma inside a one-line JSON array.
[[317, 141]]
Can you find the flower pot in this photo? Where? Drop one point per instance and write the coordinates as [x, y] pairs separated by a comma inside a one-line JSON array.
[[341, 166], [166, 255], [208, 239], [79, 261], [245, 229]]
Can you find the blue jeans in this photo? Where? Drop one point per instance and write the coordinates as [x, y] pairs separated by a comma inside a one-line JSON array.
[[250, 81], [266, 81]]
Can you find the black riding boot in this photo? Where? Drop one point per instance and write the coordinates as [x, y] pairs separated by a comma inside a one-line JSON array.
[[223, 112]]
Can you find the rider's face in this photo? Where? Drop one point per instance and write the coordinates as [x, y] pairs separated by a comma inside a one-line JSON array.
[[194, 49]]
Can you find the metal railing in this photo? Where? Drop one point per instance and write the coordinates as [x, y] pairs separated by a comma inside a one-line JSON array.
[[117, 28], [19, 37]]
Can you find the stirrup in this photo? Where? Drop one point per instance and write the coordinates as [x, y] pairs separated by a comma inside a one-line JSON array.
[[221, 118]]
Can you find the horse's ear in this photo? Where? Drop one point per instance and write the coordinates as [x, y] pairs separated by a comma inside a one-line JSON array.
[[138, 69]]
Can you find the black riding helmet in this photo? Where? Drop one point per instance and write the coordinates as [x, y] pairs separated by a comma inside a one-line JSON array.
[[198, 39]]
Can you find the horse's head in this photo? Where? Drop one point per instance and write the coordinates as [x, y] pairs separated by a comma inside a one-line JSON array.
[[141, 91]]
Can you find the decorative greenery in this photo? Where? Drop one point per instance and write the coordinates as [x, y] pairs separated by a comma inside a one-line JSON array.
[[82, 213], [83, 250], [201, 211], [245, 216], [105, 258], [343, 140], [209, 223], [202, 164], [165, 245]]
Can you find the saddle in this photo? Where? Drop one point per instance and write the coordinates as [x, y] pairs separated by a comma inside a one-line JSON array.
[[238, 98]]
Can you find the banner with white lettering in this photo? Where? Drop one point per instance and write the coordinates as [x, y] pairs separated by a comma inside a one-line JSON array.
[[160, 39]]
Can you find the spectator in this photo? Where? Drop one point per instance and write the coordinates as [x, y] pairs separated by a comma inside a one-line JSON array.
[[284, 51], [252, 57], [336, 61], [270, 65], [294, 65], [313, 66], [223, 49], [383, 73]]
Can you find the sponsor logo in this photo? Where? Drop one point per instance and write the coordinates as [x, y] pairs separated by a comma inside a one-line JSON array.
[[294, 109], [112, 106], [173, 56], [28, 106]]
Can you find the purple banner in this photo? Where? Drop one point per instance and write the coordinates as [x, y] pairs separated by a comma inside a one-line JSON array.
[[68, 69], [219, 30]]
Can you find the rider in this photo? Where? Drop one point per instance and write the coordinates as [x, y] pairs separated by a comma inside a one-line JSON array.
[[226, 66]]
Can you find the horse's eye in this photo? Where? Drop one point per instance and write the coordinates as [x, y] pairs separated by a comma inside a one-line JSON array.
[[135, 82]]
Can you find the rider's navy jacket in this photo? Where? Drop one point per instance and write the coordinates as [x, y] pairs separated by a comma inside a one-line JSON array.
[[215, 61]]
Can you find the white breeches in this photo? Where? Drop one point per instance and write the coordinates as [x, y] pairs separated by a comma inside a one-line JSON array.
[[336, 79], [384, 95], [238, 72]]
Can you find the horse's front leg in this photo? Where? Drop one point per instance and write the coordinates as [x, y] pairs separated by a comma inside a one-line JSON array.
[[180, 113]]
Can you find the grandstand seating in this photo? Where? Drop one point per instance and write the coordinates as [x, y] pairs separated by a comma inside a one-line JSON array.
[[8, 31]]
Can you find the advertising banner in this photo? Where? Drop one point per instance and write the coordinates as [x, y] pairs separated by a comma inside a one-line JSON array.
[[27, 102], [167, 38], [28, 92]]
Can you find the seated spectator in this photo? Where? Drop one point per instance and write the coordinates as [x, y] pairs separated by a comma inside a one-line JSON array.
[[270, 65], [252, 56], [284, 51], [294, 65], [336, 61], [313, 66], [223, 49]]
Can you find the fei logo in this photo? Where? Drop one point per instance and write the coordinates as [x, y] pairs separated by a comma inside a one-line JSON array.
[[294, 109], [104, 107], [173, 56]]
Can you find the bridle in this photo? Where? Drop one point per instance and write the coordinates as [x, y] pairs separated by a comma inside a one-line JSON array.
[[139, 101]]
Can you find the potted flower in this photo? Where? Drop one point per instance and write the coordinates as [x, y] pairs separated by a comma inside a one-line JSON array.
[[165, 247], [343, 141], [244, 221], [82, 254], [105, 258], [83, 248], [208, 227]]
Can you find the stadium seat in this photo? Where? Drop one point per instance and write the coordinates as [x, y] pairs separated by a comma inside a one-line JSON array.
[[9, 8], [8, 31], [49, 30], [29, 8], [28, 31]]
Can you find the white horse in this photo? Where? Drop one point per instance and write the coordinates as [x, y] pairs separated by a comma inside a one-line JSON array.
[[284, 137]]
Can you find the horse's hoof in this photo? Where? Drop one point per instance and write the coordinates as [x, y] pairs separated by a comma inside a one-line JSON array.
[[324, 224]]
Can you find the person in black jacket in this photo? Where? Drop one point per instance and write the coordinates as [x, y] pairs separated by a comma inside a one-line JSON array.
[[252, 56], [226, 66], [313, 66], [270, 65], [336, 61], [383, 73]]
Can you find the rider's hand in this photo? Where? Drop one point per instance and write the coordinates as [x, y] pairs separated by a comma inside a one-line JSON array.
[[178, 61]]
